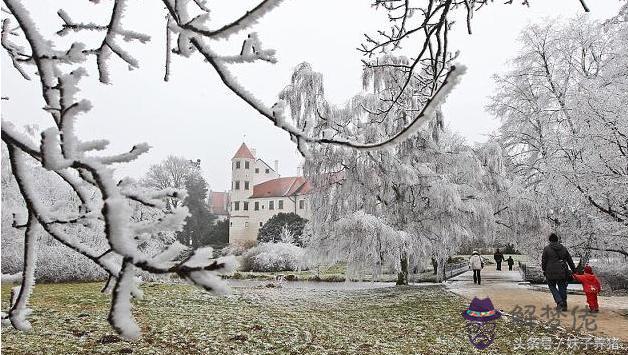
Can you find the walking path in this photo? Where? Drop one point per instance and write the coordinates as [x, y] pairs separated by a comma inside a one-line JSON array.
[[510, 294]]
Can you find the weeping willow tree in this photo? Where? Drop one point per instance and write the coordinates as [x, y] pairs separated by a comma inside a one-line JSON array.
[[419, 198]]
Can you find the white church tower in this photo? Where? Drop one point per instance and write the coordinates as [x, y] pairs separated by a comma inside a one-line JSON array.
[[242, 170]]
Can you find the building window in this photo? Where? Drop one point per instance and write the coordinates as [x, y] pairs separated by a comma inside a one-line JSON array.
[[237, 164], [245, 206], [280, 205], [256, 170], [260, 224], [246, 224], [256, 206], [267, 171], [246, 165], [301, 204], [237, 185], [236, 206], [271, 205], [246, 185]]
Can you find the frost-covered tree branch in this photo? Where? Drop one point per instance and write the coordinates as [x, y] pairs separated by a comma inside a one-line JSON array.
[[104, 208]]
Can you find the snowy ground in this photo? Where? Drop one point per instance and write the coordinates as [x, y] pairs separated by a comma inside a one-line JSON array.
[[334, 319]]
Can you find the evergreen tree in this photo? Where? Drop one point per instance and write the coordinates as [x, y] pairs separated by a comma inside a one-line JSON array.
[[198, 224], [271, 231], [218, 235]]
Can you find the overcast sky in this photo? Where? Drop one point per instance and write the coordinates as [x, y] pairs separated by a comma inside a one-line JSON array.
[[193, 115]]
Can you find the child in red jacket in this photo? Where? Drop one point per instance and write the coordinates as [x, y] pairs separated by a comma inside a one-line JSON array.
[[591, 287]]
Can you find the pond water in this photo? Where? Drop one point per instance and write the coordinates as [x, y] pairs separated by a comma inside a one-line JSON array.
[[311, 285]]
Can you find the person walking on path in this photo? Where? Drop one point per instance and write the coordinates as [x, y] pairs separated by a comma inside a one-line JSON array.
[[591, 287], [476, 264], [556, 263], [510, 262], [499, 257]]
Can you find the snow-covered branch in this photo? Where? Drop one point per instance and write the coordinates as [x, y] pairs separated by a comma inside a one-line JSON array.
[[19, 310], [104, 202]]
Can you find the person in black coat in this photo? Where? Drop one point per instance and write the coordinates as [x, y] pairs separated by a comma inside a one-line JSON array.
[[556, 263], [499, 257], [510, 262]]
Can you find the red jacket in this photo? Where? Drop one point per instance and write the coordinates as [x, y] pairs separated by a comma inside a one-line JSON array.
[[590, 283]]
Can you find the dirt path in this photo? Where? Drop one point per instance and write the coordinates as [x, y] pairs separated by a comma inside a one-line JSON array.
[[507, 291]]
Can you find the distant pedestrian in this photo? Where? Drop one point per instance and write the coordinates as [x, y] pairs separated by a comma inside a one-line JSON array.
[[499, 257], [476, 264], [434, 265], [556, 263], [591, 287], [510, 262]]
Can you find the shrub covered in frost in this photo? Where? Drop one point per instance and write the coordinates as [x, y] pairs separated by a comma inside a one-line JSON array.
[[274, 257], [237, 248], [613, 276], [56, 262]]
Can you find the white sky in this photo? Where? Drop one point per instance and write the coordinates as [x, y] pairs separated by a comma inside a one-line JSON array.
[[193, 115]]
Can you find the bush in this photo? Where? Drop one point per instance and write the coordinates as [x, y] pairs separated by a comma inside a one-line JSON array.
[[237, 249], [510, 249], [58, 263], [274, 257], [272, 230], [612, 276], [55, 262]]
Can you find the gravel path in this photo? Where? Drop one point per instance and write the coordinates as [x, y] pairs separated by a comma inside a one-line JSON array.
[[508, 292]]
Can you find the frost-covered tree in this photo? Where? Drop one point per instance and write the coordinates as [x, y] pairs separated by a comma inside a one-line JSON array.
[[172, 173], [518, 216], [363, 241], [565, 128], [430, 192], [397, 112], [176, 172]]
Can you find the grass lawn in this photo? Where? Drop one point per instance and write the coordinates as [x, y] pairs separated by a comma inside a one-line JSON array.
[[180, 319]]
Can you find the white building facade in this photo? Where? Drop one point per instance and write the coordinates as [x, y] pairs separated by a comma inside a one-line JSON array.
[[258, 193]]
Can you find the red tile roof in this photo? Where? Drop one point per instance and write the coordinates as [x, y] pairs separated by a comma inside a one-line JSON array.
[[282, 187], [218, 202], [243, 152]]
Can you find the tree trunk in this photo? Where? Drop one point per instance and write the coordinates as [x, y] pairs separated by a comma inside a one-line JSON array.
[[441, 269], [402, 276]]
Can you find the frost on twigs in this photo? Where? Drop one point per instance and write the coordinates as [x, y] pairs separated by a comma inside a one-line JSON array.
[[101, 209]]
